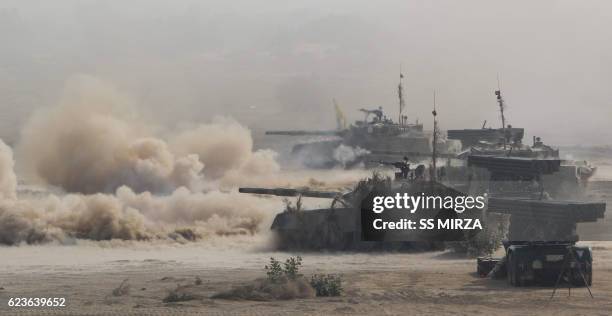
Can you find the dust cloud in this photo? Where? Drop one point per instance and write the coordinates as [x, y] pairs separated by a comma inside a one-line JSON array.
[[8, 179], [95, 142], [122, 178], [181, 216]]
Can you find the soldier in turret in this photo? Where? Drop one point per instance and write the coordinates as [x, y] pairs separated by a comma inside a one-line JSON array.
[[378, 113], [403, 166], [538, 142]]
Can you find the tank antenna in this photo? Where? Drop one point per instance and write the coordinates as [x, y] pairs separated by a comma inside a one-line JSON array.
[[400, 93], [500, 101], [434, 140]]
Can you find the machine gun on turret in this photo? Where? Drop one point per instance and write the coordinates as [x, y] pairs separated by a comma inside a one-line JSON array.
[[403, 166], [378, 113], [396, 164]]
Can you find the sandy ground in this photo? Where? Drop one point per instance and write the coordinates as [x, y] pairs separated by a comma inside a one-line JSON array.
[[433, 283]]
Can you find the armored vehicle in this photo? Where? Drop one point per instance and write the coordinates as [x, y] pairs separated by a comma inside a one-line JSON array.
[[577, 172], [568, 181], [339, 227], [375, 137], [474, 137], [505, 134], [541, 243]]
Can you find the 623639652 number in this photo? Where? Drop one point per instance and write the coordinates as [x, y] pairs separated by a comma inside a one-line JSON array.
[[37, 302]]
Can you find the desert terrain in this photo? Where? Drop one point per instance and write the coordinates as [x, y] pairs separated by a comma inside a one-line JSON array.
[[437, 283]]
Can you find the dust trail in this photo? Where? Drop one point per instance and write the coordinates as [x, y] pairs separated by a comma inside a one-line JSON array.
[[127, 180], [181, 216], [347, 155], [224, 145]]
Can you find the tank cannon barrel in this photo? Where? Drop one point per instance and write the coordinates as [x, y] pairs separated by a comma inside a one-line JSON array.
[[412, 154], [304, 133], [397, 164], [291, 192]]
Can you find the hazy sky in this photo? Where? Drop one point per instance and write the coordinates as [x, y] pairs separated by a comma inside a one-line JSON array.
[[280, 63]]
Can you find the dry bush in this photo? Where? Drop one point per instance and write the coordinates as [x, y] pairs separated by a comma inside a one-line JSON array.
[[327, 285], [122, 289], [267, 290], [179, 294]]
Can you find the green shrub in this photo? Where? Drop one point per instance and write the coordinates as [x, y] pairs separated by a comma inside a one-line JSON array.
[[284, 282], [290, 269], [274, 270], [327, 284]]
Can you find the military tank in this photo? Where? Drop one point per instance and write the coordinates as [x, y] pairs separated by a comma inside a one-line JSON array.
[[568, 181], [475, 137], [376, 137], [339, 227], [505, 134]]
